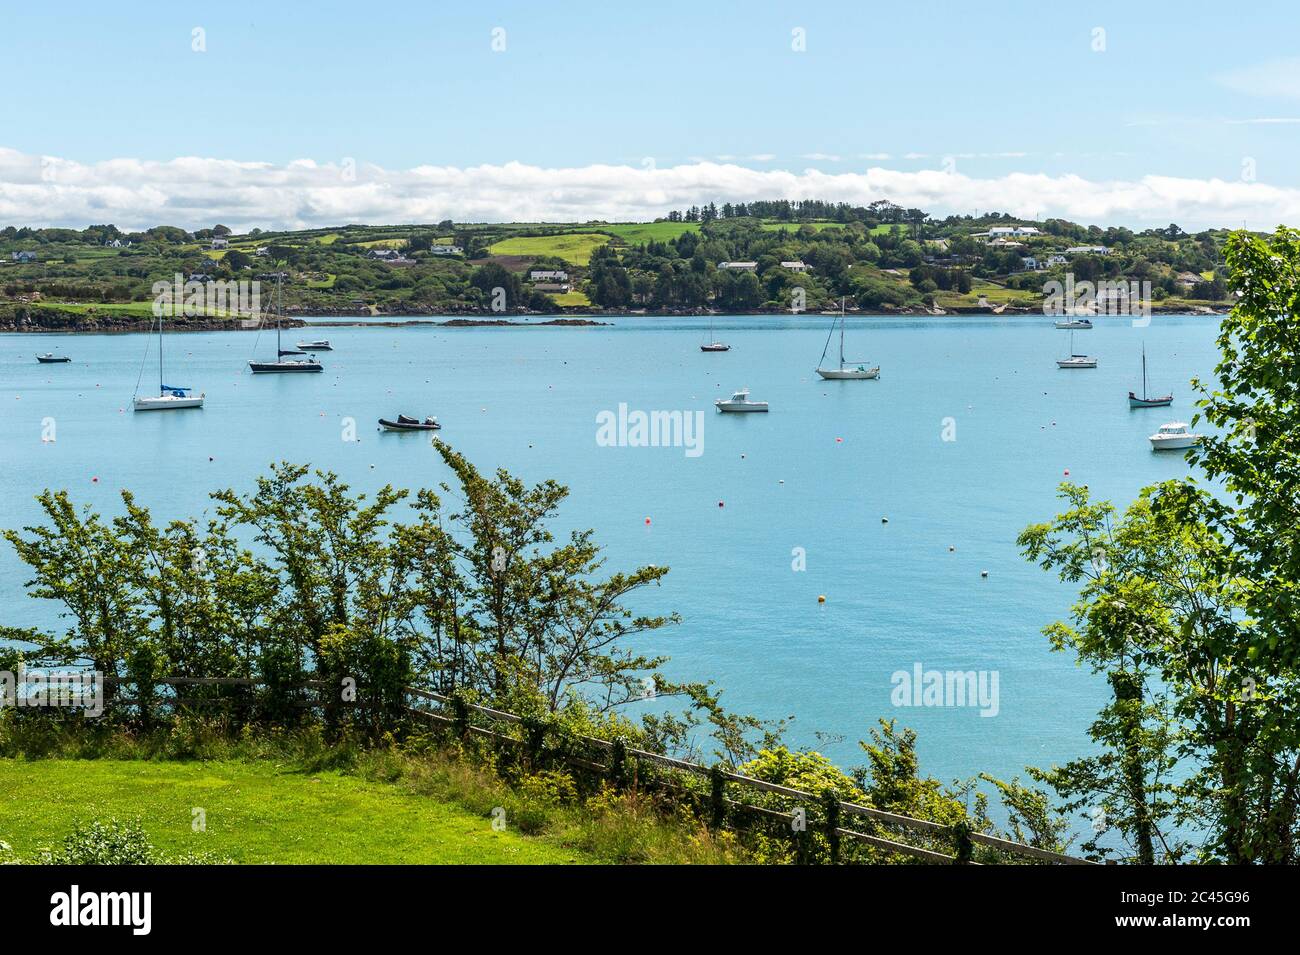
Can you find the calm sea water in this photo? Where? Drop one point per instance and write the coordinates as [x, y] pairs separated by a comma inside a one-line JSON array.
[[819, 472]]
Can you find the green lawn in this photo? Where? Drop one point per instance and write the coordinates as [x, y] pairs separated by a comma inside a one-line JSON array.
[[573, 247], [571, 299], [257, 812]]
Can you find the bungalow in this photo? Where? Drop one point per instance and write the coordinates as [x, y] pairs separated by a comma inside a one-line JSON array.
[[1010, 231], [553, 287], [220, 242], [1056, 258], [446, 250], [117, 243], [1006, 244], [1087, 250], [548, 275], [1030, 263], [24, 256], [795, 266], [739, 266]]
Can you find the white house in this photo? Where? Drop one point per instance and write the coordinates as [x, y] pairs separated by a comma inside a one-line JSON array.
[[548, 275], [1012, 231], [1056, 258], [795, 266], [24, 256], [445, 249], [1087, 250], [220, 243], [1030, 263], [739, 266]]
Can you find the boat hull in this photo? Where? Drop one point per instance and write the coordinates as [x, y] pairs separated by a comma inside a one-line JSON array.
[[740, 407], [315, 346], [1179, 443], [1135, 402], [52, 361], [167, 403], [284, 367], [386, 425], [1070, 363], [1073, 325], [849, 374], [716, 346]]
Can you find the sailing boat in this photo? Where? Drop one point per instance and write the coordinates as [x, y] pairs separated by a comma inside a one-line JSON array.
[[1145, 401], [281, 365], [844, 371], [1075, 360], [713, 344], [169, 397]]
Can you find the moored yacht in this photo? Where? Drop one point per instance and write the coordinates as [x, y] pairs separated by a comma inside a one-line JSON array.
[[1174, 436], [739, 401]]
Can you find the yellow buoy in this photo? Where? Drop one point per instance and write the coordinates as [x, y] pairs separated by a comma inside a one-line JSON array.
[[821, 598]]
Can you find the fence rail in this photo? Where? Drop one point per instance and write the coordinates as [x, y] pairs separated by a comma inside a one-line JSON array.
[[856, 809]]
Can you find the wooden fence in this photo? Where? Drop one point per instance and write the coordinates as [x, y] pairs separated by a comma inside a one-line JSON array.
[[836, 812]]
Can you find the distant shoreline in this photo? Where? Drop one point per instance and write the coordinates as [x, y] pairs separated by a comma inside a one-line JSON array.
[[46, 321]]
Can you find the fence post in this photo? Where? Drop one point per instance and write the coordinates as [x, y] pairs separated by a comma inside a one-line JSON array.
[[535, 742], [831, 803], [717, 797], [618, 763], [460, 715], [965, 848]]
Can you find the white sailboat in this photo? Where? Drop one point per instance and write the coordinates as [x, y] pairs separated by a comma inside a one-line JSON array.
[[847, 370], [169, 397], [1076, 360]]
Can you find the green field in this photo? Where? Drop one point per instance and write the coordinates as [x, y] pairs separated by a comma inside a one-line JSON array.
[[574, 247], [634, 233], [571, 299], [256, 812]]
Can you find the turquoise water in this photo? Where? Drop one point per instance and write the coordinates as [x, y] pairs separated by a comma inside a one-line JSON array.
[[819, 472]]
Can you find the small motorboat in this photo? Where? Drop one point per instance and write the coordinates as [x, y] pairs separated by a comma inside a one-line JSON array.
[[739, 401], [407, 423], [49, 358], [322, 345], [1174, 436], [1074, 323]]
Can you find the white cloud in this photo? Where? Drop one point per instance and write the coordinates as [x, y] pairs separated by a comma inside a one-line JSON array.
[[193, 192], [820, 157], [1272, 78]]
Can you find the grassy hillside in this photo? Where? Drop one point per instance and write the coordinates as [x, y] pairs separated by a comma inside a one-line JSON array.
[[255, 813]]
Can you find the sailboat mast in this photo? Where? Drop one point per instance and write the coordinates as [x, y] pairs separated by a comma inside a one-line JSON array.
[[160, 359], [1144, 371], [841, 332]]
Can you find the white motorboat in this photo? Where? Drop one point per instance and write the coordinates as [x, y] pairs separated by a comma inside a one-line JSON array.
[[169, 397], [1174, 436], [1073, 323], [847, 371], [322, 345], [739, 401]]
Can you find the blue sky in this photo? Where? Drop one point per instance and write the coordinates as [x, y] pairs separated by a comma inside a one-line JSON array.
[[993, 89]]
